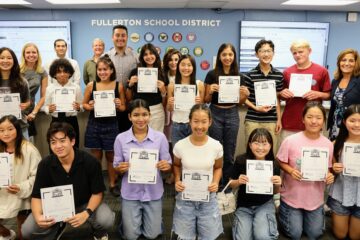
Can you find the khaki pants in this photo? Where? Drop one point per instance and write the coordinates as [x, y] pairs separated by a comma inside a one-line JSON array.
[[285, 133], [270, 126]]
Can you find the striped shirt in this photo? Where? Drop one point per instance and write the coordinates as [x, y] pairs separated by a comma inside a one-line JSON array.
[[256, 75]]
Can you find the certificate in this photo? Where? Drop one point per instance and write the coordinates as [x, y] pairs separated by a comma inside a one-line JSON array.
[[5, 169], [184, 96], [147, 80], [265, 93], [142, 166], [10, 105], [196, 185], [104, 103], [351, 159], [300, 84], [259, 174], [229, 89], [64, 99], [314, 163], [58, 202]]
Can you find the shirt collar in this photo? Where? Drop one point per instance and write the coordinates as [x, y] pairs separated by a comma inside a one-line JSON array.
[[259, 70], [130, 137], [56, 162]]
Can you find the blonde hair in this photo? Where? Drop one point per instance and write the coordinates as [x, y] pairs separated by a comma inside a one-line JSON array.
[[38, 67], [300, 43], [338, 73]]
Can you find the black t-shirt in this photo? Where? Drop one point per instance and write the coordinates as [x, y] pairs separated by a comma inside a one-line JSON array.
[[244, 199], [85, 175]]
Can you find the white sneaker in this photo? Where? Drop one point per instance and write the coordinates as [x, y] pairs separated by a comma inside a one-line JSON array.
[[12, 236], [106, 237]]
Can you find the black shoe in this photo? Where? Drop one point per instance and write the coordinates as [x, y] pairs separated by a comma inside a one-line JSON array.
[[115, 191], [61, 230]]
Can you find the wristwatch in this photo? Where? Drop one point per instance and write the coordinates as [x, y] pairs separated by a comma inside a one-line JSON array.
[[89, 211]]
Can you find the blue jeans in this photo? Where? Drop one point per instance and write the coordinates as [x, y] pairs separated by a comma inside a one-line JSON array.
[[200, 219], [258, 222], [224, 128], [141, 218], [179, 131], [294, 221]]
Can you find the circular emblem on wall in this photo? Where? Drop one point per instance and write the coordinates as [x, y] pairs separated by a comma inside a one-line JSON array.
[[168, 48], [148, 37], [184, 50], [204, 65], [134, 37], [191, 37], [177, 37], [198, 51], [163, 37]]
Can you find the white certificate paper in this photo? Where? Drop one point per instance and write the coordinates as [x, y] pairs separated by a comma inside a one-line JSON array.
[[142, 166], [300, 84], [229, 87], [64, 99], [58, 202], [265, 93], [147, 80], [10, 104], [351, 159], [314, 163], [184, 96], [259, 174], [196, 185], [104, 103], [5, 169]]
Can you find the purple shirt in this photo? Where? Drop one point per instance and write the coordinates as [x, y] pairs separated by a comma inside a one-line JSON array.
[[154, 140]]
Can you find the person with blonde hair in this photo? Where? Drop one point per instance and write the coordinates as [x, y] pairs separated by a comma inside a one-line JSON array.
[[345, 88], [32, 70], [89, 70]]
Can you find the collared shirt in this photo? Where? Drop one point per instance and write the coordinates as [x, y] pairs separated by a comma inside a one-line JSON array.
[[123, 64], [49, 97], [75, 78], [256, 75], [154, 140], [85, 175]]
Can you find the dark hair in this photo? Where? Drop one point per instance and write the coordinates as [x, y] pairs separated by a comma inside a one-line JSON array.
[[314, 104], [219, 69], [262, 42], [60, 40], [107, 61], [61, 64], [193, 74], [63, 127], [17, 83], [119, 27], [19, 136], [166, 59], [198, 107], [343, 132], [138, 103], [261, 134], [152, 49]]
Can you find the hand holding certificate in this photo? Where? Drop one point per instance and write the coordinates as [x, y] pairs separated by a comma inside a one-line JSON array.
[[351, 159], [300, 84], [104, 103], [64, 99], [259, 174], [184, 96], [314, 163], [142, 166], [58, 202], [5, 169], [147, 80], [265, 93], [229, 87], [196, 185], [10, 105]]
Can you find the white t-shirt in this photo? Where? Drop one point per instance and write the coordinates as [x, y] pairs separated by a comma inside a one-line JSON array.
[[198, 157]]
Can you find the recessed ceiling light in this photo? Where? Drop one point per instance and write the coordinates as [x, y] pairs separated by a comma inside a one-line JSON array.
[[83, 1], [320, 2], [14, 2]]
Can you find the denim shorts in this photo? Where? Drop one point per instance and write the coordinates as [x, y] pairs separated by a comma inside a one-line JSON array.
[[101, 135], [200, 219], [341, 210]]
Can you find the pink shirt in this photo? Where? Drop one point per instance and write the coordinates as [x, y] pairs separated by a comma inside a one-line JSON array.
[[301, 194]]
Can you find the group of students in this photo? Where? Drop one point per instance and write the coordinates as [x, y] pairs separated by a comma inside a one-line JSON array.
[[203, 139]]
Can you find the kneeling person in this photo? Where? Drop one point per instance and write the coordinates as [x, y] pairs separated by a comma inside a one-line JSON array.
[[69, 166]]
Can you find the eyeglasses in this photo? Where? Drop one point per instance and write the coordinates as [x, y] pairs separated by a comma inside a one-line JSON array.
[[265, 51], [261, 144]]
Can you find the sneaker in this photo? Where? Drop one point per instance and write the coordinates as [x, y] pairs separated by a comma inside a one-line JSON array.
[[61, 230], [105, 237], [115, 191], [12, 236]]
